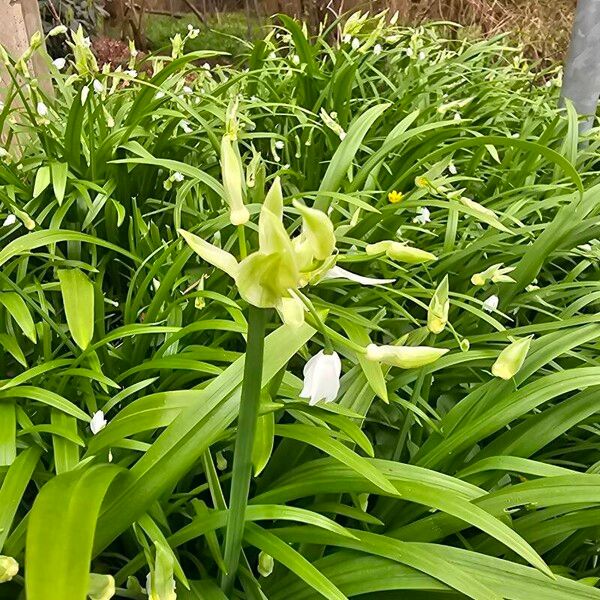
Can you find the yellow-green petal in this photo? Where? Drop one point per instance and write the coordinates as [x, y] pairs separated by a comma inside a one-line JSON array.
[[212, 254]]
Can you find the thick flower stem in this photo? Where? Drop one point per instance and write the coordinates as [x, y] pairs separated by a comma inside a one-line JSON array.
[[242, 456]]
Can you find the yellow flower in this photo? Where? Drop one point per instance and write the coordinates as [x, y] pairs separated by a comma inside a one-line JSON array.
[[394, 197]]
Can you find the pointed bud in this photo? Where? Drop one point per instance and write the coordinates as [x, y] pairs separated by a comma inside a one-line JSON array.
[[400, 252], [437, 315], [211, 254], [317, 229], [101, 587], [9, 567], [405, 357], [511, 359], [58, 30], [265, 564], [233, 182]]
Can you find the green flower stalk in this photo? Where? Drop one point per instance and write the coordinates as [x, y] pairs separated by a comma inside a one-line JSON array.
[[511, 359], [437, 315]]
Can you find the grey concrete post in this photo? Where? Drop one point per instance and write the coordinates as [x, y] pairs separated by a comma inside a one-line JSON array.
[[581, 80]]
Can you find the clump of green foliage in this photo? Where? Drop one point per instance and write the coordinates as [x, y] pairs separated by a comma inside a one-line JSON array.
[[231, 33], [445, 173]]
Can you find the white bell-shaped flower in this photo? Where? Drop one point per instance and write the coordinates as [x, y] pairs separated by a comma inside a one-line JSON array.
[[322, 378], [98, 422]]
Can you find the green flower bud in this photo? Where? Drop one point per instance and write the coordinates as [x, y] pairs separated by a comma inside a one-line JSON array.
[[265, 564], [465, 345], [58, 30], [36, 40], [378, 247], [511, 359], [101, 587], [9, 567], [400, 252], [437, 315], [407, 254], [405, 357], [233, 182], [160, 584]]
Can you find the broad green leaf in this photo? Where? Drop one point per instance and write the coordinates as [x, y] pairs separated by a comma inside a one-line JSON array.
[[60, 533], [78, 301]]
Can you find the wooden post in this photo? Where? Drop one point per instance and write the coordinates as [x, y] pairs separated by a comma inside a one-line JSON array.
[[20, 19]]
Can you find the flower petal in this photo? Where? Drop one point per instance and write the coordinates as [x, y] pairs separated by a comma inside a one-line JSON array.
[[339, 273]]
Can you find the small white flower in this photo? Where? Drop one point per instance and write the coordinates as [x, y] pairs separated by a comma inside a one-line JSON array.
[[98, 422], [355, 44], [272, 56], [490, 304], [3, 151], [59, 63], [339, 273], [185, 126], [452, 169], [110, 456], [347, 38], [85, 90], [423, 216], [187, 89], [457, 116], [296, 59], [87, 43], [98, 87], [322, 378], [42, 109], [10, 220], [131, 72], [279, 144], [409, 52], [585, 247], [377, 49], [192, 31], [159, 95], [206, 66], [422, 55], [177, 176]]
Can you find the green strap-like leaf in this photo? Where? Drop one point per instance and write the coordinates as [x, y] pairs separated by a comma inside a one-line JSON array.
[[60, 533]]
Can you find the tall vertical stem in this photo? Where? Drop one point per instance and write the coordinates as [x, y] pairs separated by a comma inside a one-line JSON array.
[[242, 456]]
